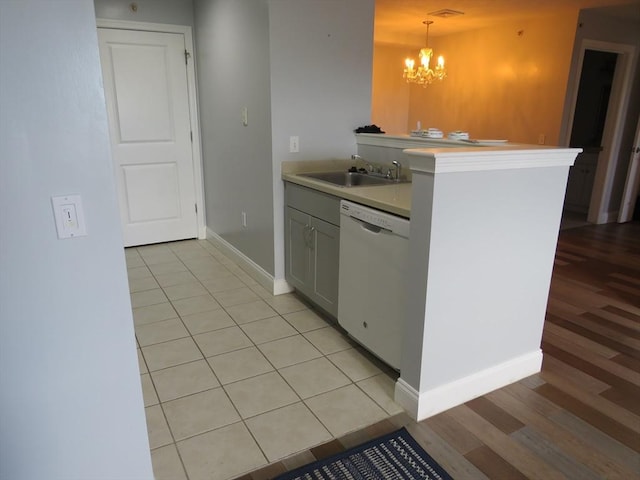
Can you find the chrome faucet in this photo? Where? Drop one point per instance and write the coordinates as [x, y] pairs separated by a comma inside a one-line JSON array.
[[367, 165], [398, 166]]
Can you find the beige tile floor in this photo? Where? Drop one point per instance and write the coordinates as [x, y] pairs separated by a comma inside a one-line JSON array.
[[233, 377]]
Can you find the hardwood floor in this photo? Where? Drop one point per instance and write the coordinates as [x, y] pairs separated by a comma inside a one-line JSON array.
[[580, 417]]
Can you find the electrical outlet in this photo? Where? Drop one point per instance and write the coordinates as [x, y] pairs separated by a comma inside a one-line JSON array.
[[244, 219], [245, 116], [294, 144]]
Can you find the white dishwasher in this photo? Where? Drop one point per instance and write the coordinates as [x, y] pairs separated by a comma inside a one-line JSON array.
[[374, 254]]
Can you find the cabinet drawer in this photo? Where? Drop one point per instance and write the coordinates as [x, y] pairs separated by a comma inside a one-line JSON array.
[[318, 204]]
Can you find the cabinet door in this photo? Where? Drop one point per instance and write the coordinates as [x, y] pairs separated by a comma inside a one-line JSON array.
[[325, 249], [297, 241]]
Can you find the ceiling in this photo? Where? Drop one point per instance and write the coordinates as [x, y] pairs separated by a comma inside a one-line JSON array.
[[400, 21]]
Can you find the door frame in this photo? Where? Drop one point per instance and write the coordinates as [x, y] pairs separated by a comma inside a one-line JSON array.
[[196, 151], [632, 183], [614, 124]]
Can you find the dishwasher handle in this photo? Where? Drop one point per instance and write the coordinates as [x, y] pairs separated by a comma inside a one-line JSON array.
[[375, 229]]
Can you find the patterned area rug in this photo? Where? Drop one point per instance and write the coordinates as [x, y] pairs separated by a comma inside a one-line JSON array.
[[394, 456]]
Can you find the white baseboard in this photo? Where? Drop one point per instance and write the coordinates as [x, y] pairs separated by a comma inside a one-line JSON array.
[[421, 405], [255, 271], [281, 286], [604, 217], [611, 217], [407, 397]]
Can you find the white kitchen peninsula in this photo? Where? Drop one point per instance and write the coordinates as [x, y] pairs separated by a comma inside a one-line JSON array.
[[484, 228]]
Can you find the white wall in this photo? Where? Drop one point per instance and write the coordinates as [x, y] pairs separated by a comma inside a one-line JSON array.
[[70, 396], [232, 45], [321, 67], [176, 12], [484, 229]]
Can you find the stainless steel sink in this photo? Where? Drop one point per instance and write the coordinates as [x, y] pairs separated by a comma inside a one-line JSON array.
[[350, 179]]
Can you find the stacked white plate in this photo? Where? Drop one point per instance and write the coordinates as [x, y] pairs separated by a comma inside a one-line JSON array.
[[458, 135], [432, 133]]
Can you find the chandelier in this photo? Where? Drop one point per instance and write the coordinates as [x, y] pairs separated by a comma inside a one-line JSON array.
[[424, 74]]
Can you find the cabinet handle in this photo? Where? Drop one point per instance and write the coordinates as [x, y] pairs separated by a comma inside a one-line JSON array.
[[308, 235], [311, 242]]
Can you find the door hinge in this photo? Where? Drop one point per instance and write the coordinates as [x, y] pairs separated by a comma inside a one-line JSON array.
[[196, 205], [186, 57], [191, 135]]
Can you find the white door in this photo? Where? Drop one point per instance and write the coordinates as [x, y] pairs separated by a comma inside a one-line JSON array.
[[632, 184], [145, 84]]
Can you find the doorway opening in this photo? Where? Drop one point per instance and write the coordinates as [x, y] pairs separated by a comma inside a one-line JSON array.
[[592, 104], [603, 77]]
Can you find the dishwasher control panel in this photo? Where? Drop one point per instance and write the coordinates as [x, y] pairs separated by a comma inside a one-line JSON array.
[[397, 225]]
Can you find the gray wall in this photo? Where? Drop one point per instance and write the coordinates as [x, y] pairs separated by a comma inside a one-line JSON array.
[[176, 12], [303, 68], [232, 44], [321, 67], [70, 396]]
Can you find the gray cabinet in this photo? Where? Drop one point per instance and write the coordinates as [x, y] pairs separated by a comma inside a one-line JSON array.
[[312, 243]]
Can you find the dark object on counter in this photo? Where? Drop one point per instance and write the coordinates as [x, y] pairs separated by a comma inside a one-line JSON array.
[[369, 129], [353, 170]]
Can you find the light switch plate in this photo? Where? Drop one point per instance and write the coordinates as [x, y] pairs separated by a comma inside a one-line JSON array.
[[294, 144], [69, 215]]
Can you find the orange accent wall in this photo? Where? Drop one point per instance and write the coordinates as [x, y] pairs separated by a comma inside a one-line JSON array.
[[390, 93], [500, 84]]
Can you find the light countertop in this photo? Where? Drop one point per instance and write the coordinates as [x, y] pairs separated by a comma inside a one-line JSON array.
[[395, 199]]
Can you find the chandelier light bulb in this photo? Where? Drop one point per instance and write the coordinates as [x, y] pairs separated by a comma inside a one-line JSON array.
[[424, 75]]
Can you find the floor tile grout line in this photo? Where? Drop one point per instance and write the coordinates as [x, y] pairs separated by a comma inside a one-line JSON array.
[[226, 393], [276, 370], [256, 346], [175, 442], [182, 462], [180, 317], [171, 302], [200, 282], [160, 402]]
